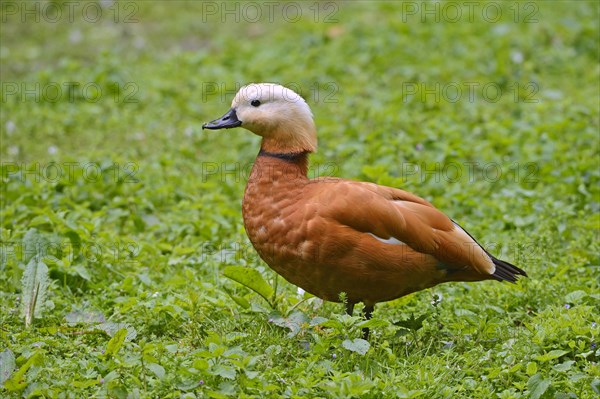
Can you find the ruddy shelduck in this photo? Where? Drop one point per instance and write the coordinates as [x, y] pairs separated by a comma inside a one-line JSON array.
[[331, 236]]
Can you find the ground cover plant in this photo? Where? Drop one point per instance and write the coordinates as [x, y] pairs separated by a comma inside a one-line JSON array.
[[125, 271]]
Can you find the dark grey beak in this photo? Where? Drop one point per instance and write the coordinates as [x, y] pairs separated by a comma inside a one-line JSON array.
[[227, 121]]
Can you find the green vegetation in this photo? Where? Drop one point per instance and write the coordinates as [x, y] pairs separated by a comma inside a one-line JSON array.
[[121, 222]]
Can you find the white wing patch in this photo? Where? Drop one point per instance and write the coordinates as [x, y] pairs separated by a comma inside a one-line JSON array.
[[391, 240]]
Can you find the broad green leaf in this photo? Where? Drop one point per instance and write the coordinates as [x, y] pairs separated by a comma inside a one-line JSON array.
[[317, 321], [83, 272], [201, 364], [111, 328], [75, 241], [39, 220], [216, 395], [565, 366], [373, 323], [293, 322], [575, 296], [537, 385], [239, 300], [332, 323], [224, 371], [404, 393], [250, 278], [357, 345], [596, 386], [412, 323], [515, 368], [555, 354], [188, 385], [7, 365], [111, 376], [34, 284], [116, 343], [531, 368], [17, 381], [252, 374], [85, 383], [464, 313], [91, 316], [157, 369], [33, 244]]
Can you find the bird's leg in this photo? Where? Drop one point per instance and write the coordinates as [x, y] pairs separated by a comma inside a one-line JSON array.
[[349, 308], [368, 312]]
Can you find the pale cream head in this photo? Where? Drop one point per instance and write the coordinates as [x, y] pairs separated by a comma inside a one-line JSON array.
[[279, 115]]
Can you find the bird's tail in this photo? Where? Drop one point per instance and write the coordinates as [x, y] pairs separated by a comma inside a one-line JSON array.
[[506, 271]]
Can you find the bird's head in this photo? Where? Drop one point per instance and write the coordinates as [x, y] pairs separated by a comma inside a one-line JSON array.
[[277, 114]]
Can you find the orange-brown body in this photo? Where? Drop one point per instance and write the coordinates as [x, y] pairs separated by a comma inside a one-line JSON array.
[[315, 233]]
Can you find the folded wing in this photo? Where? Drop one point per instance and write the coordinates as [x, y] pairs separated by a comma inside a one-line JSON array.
[[393, 214]]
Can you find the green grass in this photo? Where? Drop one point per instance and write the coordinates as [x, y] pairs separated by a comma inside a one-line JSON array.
[[136, 211]]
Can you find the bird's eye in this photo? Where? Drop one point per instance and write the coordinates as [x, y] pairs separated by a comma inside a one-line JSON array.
[[255, 103]]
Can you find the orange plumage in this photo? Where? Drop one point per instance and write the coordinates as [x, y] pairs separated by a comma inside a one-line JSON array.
[[331, 236]]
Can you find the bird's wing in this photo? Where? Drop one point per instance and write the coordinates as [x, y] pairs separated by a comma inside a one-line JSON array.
[[388, 213]]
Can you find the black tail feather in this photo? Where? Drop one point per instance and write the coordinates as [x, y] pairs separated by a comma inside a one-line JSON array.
[[506, 271]]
